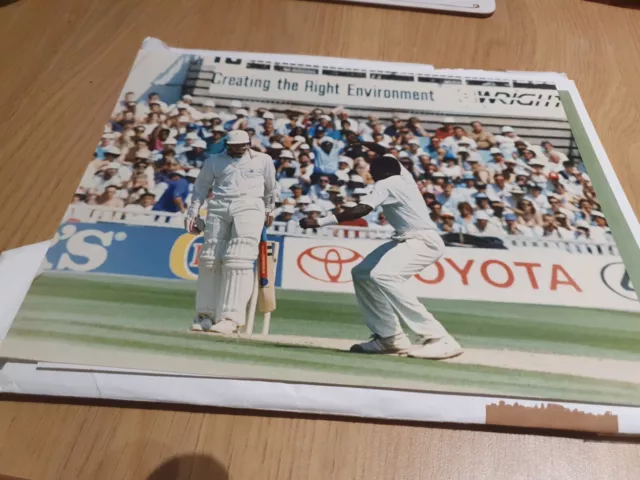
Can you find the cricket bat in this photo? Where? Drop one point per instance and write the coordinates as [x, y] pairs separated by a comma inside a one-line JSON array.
[[267, 261]]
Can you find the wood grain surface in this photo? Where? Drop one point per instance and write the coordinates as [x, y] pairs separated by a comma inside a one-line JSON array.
[[63, 64]]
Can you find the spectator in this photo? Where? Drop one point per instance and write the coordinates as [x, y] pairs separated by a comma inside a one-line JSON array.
[[320, 190], [556, 162], [459, 139], [536, 196], [582, 231], [110, 197], [483, 139], [528, 215], [507, 136], [447, 128], [215, 143], [599, 232], [327, 156], [296, 192], [452, 170], [483, 227], [497, 164], [466, 217], [514, 228], [563, 226], [174, 197], [447, 222], [393, 130], [302, 204], [550, 227], [585, 211], [382, 224], [286, 214], [345, 165], [139, 211], [450, 197], [499, 190]]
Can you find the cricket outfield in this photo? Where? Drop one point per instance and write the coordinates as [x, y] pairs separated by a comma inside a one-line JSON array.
[[516, 350]]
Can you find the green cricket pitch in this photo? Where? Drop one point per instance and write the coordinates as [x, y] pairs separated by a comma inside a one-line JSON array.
[[518, 350]]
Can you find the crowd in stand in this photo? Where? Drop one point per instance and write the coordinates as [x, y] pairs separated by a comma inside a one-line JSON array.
[[473, 181]]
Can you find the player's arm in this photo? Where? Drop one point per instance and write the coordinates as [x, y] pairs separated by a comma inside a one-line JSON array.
[[270, 190], [367, 204]]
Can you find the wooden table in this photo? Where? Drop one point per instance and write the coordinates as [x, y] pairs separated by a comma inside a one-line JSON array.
[[63, 65]]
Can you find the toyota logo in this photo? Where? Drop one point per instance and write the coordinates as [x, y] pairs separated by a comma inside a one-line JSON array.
[[616, 277], [330, 264]]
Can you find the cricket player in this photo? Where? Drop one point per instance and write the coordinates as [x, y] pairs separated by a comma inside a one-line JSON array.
[[379, 280], [244, 189]]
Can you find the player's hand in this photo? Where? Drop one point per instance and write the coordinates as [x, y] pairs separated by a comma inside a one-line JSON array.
[[309, 223], [192, 225], [268, 220]]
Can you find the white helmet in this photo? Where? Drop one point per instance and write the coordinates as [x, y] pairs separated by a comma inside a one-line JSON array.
[[237, 137]]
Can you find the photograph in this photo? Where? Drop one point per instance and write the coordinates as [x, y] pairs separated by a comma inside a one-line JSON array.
[[321, 225]]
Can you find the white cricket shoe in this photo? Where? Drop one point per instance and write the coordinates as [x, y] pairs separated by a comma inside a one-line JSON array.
[[437, 348], [227, 327], [201, 323], [399, 344]]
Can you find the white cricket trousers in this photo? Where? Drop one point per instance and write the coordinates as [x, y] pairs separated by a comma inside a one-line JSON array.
[[226, 265], [379, 281]]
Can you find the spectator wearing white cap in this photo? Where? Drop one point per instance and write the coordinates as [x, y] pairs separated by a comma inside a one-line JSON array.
[[153, 103], [106, 177], [216, 143], [302, 204], [582, 231], [483, 226], [508, 136], [564, 227], [415, 152], [286, 214], [195, 156], [537, 174], [497, 164], [485, 140], [600, 232], [106, 141], [345, 165], [447, 128]]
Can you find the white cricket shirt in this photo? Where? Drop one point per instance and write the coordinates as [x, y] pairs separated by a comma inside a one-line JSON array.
[[401, 202], [252, 175]]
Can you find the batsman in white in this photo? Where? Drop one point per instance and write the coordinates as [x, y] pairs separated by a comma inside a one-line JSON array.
[[379, 279], [244, 187]]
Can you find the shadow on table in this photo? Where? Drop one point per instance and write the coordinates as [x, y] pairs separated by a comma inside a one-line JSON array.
[[193, 467], [619, 3], [4, 3]]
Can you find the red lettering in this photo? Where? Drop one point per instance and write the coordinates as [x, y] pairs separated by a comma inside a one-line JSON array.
[[556, 270], [484, 271], [195, 259], [463, 272], [532, 276], [439, 276]]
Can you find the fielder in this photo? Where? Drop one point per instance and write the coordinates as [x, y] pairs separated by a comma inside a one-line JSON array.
[[379, 279], [244, 189]]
